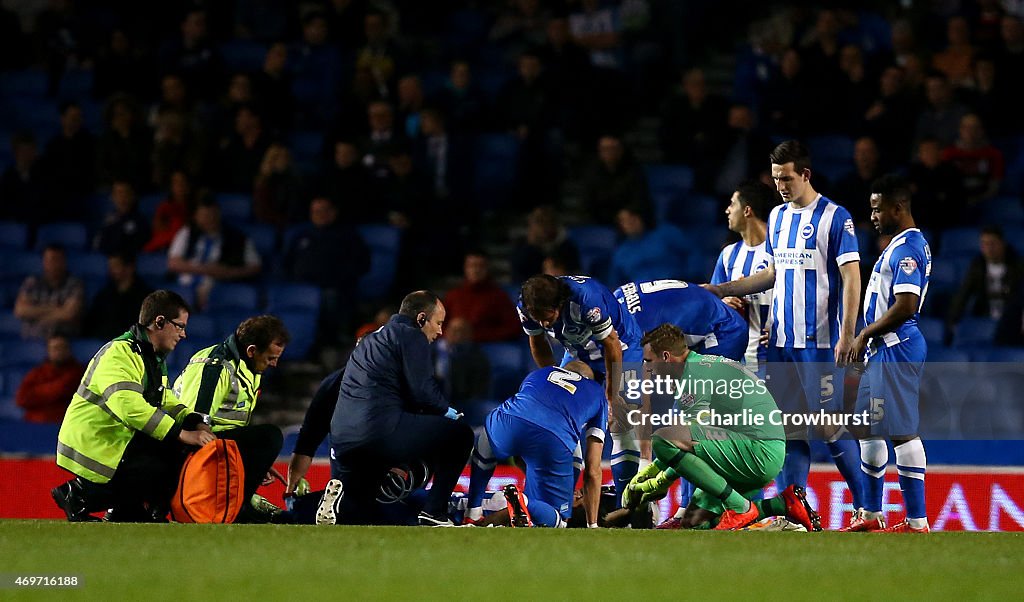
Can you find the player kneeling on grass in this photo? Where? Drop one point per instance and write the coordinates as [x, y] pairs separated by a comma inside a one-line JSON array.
[[727, 465], [543, 424]]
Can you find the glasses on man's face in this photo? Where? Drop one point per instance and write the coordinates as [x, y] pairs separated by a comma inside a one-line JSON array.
[[178, 325]]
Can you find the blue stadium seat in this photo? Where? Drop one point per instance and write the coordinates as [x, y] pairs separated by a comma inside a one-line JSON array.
[[596, 245], [152, 267], [972, 332], [306, 146], [829, 147], [84, 349], [959, 241], [291, 297], [491, 82], [71, 235], [945, 277], [466, 30], [227, 319], [702, 210], [383, 241], [149, 202], [933, 330], [669, 178], [89, 266], [75, 84], [302, 326], [22, 354], [706, 240], [31, 83], [264, 238], [496, 169], [700, 267], [508, 367], [234, 296], [235, 208], [16, 265], [243, 55], [202, 327], [13, 235], [1006, 211], [666, 206]]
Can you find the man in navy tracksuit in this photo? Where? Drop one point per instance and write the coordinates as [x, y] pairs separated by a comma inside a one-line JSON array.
[[391, 412]]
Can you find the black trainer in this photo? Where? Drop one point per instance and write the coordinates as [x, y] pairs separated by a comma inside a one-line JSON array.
[[425, 519], [70, 499]]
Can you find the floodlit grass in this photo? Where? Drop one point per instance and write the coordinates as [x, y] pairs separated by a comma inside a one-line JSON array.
[[278, 562]]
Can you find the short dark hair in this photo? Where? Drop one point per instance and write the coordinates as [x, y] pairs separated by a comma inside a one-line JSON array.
[[994, 230], [666, 337], [893, 188], [261, 331], [55, 246], [418, 301], [791, 151], [757, 195], [161, 303], [544, 293]]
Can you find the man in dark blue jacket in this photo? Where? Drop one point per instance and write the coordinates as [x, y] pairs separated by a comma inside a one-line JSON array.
[[391, 412]]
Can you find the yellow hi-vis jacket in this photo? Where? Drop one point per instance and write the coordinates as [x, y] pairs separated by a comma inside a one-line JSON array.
[[218, 383], [124, 391]]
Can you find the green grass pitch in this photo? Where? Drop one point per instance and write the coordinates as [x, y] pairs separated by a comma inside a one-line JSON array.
[[277, 562]]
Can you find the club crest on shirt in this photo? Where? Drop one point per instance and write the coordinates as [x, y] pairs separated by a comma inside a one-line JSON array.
[[807, 232], [848, 226], [908, 265], [761, 266], [594, 315]]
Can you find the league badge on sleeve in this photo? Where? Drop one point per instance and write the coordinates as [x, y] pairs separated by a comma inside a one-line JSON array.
[[594, 315], [848, 226], [908, 265]]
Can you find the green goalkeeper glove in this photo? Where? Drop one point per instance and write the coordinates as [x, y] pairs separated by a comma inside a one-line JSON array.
[[647, 472], [648, 490]]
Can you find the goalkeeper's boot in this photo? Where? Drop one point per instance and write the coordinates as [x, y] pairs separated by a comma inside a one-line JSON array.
[[734, 521], [776, 523], [264, 507], [518, 515], [330, 505], [676, 522], [798, 510], [904, 527], [71, 498], [860, 523]]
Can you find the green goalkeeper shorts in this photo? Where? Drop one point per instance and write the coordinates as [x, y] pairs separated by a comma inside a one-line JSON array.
[[746, 464]]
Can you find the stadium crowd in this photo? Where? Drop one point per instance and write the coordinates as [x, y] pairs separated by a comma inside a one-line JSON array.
[[318, 160]]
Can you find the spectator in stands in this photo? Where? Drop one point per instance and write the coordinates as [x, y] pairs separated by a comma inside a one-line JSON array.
[[941, 115], [272, 87], [693, 122], [330, 254], [379, 319], [124, 148], [460, 100], [891, 117], [740, 151], [172, 213], [125, 230], [410, 105], [979, 163], [70, 157], [382, 135], [596, 28], [347, 183], [24, 186], [992, 276], [519, 25], [177, 144], [955, 60], [990, 98], [174, 96], [855, 88], [121, 66], [219, 116], [545, 237], [462, 367], [787, 97], [46, 391], [649, 251], [242, 153], [936, 186], [380, 57], [279, 193], [207, 250], [445, 159], [852, 188], [482, 303], [115, 307], [345, 20], [1009, 59], [52, 301], [193, 54], [557, 264], [614, 181], [570, 77]]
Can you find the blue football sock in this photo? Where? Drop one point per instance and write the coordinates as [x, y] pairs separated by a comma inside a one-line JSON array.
[[797, 464], [911, 464], [482, 464], [685, 492], [874, 456], [625, 461], [846, 455]]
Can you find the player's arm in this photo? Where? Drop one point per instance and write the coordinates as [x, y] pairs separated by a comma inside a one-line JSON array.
[[612, 350], [592, 478], [902, 310], [850, 274], [540, 349], [756, 283]]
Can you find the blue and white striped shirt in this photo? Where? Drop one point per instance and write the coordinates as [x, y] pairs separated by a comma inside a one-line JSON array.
[[807, 246], [904, 267], [740, 261]]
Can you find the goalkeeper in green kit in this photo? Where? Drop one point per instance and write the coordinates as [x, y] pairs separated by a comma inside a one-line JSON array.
[[727, 439]]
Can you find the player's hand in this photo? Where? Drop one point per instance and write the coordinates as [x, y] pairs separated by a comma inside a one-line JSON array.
[[453, 414], [618, 413], [857, 348], [712, 288], [735, 302], [645, 474], [649, 490], [763, 339], [297, 469], [197, 438], [272, 475], [844, 354]]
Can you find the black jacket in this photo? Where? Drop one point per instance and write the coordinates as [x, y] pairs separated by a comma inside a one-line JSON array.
[[390, 372]]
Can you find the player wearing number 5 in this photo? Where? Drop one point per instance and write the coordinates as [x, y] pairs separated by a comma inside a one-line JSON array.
[[895, 354], [813, 271], [555, 410], [584, 316]]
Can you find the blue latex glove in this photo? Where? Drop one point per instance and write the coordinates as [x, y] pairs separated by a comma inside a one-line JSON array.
[[452, 414]]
